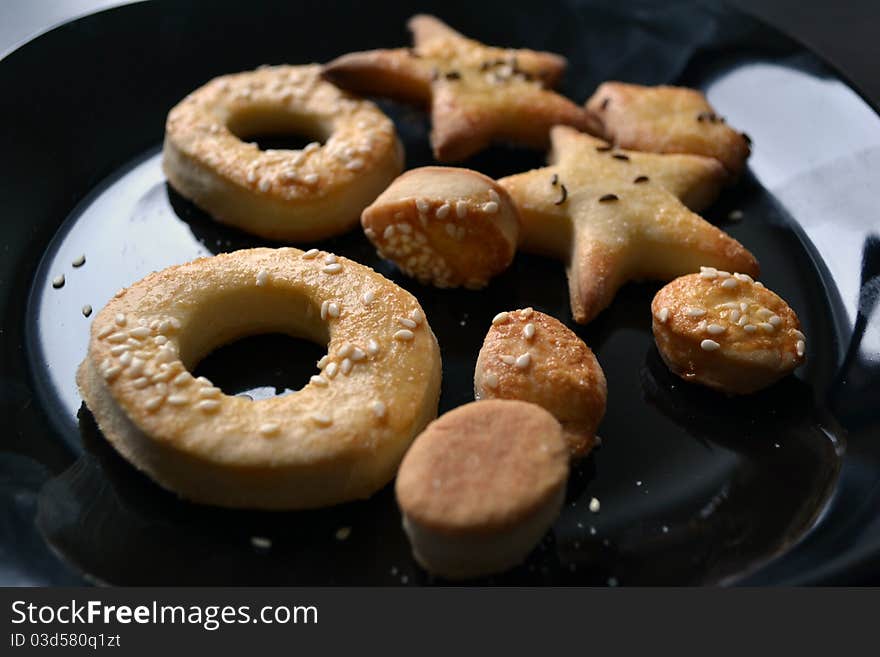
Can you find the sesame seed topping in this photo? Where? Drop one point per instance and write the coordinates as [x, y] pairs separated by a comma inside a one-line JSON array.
[[491, 380], [368, 297], [345, 350], [322, 419], [663, 315], [125, 358], [181, 379], [745, 278], [507, 359], [422, 205], [493, 196], [79, 261], [330, 259], [729, 283], [334, 268], [372, 347], [208, 405], [523, 361], [490, 208], [346, 366], [595, 505], [799, 335], [404, 334], [310, 179], [209, 391], [417, 316], [767, 327], [269, 428], [357, 355], [388, 233], [443, 211], [139, 333], [500, 318], [120, 319], [529, 331], [378, 408], [355, 165], [153, 403], [117, 337], [177, 400], [406, 323], [330, 370], [333, 309], [112, 372], [461, 209], [318, 380], [58, 281], [750, 328], [801, 347], [709, 345], [744, 306], [264, 185], [311, 253], [141, 382], [775, 320], [715, 329], [119, 349], [159, 340], [86, 310], [695, 312]]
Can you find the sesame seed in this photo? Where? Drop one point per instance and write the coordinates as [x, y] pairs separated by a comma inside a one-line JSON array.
[[422, 205], [208, 405], [406, 323], [443, 211], [333, 310], [404, 334], [529, 331], [120, 319], [251, 176], [767, 327], [79, 261], [663, 315], [330, 259], [160, 340], [153, 403], [709, 345], [334, 268], [119, 349], [417, 316], [264, 185], [345, 350], [745, 278], [330, 370], [139, 333], [491, 380], [507, 359], [343, 533], [715, 329], [125, 358], [493, 196], [368, 297], [744, 306], [209, 391], [322, 419], [490, 208], [743, 320], [388, 233], [523, 361], [723, 274], [318, 380], [177, 400], [750, 328], [500, 318], [379, 409], [695, 312], [269, 428], [450, 229], [117, 337], [324, 306], [729, 283], [461, 209], [141, 382], [357, 355], [372, 347], [595, 505], [775, 320], [310, 178], [799, 335], [86, 310], [346, 366], [311, 253], [801, 347], [355, 165], [181, 379]]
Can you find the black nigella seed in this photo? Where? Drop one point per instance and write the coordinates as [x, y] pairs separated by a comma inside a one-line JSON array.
[[604, 104], [563, 197], [604, 148], [554, 179], [413, 53], [641, 179], [621, 156], [747, 139], [453, 75], [608, 198]]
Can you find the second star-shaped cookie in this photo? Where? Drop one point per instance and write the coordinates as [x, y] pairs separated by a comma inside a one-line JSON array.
[[478, 94], [615, 216]]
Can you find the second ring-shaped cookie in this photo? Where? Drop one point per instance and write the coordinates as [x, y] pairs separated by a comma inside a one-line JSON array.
[[287, 195], [339, 438]]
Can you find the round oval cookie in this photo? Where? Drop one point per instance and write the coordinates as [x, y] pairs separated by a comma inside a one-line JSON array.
[[445, 226], [533, 357], [481, 485], [291, 195], [726, 331], [339, 438]]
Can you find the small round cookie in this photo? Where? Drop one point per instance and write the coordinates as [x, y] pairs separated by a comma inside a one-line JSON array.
[[339, 438], [726, 331], [481, 485], [445, 226], [288, 195], [533, 357]]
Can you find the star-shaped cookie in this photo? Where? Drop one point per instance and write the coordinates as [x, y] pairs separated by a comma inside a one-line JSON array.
[[477, 94], [615, 216], [666, 119]]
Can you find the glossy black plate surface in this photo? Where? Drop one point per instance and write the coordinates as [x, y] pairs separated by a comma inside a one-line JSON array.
[[694, 487]]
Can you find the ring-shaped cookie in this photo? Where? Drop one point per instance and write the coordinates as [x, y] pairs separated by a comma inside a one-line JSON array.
[[288, 195], [339, 438]]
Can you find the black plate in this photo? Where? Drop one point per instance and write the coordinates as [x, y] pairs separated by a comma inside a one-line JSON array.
[[695, 487]]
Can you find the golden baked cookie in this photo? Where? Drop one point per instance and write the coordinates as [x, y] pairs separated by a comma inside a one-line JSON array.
[[288, 195], [533, 357], [614, 216], [481, 485], [339, 438], [727, 332], [666, 119], [445, 226], [477, 94]]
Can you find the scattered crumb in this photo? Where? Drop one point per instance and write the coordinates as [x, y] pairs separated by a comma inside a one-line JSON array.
[[86, 310], [404, 579], [261, 542], [735, 215], [612, 581], [594, 505], [343, 533], [79, 261], [58, 281]]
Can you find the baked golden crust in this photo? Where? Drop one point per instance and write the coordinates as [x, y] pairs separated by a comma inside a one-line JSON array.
[[614, 216], [483, 468], [533, 357], [666, 119], [445, 226], [339, 438], [726, 331], [289, 195], [477, 94]]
